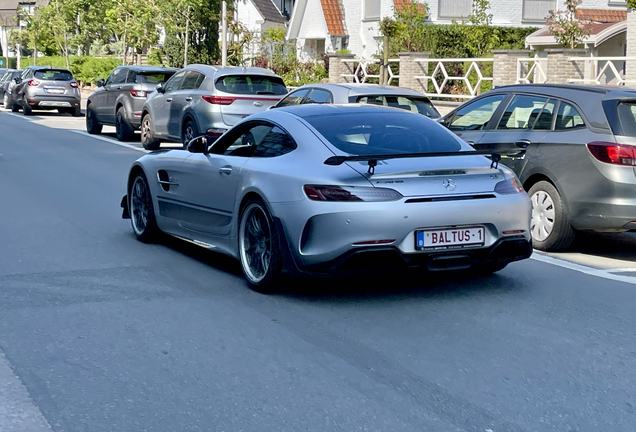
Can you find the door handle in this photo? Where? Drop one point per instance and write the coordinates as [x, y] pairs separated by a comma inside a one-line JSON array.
[[225, 170], [471, 143], [188, 99], [169, 100], [524, 143], [118, 88]]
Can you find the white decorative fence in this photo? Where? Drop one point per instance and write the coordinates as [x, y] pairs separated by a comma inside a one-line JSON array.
[[604, 70], [531, 70], [362, 74], [440, 77]]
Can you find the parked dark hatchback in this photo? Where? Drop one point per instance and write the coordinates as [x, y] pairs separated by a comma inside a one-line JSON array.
[[119, 99], [579, 168], [5, 79]]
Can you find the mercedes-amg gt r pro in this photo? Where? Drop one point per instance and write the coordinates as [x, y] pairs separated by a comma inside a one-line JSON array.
[[332, 190]]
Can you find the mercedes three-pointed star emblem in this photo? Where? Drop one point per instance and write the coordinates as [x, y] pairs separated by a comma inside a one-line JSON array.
[[450, 184]]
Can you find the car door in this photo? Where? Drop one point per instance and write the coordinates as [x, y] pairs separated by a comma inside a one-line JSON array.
[[469, 121], [161, 104], [211, 180], [524, 122], [112, 90], [18, 88], [181, 99]]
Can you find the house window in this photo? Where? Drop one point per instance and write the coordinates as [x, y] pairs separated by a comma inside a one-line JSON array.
[[455, 8], [371, 9], [537, 10]]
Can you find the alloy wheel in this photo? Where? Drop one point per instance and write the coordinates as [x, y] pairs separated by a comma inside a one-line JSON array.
[[146, 134], [543, 215], [140, 205], [189, 133], [255, 243]]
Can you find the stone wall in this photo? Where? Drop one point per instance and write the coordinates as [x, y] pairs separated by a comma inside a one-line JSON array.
[[337, 68], [560, 69], [409, 69], [504, 66]]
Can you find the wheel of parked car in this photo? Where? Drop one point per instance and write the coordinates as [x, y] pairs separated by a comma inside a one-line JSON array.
[[550, 226], [92, 125], [123, 129], [148, 139], [5, 101], [14, 108], [142, 215], [190, 132], [259, 246], [26, 108], [76, 112]]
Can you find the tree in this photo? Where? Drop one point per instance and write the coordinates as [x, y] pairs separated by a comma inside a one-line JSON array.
[[134, 23], [567, 29]]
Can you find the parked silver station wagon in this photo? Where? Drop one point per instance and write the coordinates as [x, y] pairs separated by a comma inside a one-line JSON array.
[[580, 164], [119, 99], [372, 94], [206, 100]]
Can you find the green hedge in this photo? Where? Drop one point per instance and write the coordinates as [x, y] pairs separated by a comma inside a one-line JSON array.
[[85, 69], [11, 65]]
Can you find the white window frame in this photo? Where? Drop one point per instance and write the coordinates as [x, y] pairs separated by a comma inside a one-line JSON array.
[[468, 5], [551, 5], [366, 8]]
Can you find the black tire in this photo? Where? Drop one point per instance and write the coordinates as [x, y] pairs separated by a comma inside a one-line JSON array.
[[92, 124], [12, 105], [259, 247], [76, 112], [190, 132], [142, 213], [148, 139], [26, 108], [550, 227], [123, 129]]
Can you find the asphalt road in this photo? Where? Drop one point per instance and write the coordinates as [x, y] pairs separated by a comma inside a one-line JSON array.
[[99, 332]]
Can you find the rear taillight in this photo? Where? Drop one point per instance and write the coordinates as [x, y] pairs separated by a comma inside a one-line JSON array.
[[138, 93], [219, 100], [214, 133], [612, 153], [34, 83], [74, 84], [350, 193], [509, 186]]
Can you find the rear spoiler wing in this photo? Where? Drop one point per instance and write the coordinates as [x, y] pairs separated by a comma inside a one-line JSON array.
[[513, 151]]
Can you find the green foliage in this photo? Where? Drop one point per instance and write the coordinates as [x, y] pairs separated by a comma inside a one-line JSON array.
[[85, 69], [567, 29], [157, 57], [343, 51], [631, 4]]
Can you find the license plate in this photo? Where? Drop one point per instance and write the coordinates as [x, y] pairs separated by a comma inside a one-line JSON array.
[[449, 238], [54, 90]]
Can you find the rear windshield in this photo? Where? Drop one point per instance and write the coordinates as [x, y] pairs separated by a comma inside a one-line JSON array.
[[54, 74], [627, 117], [153, 78], [384, 132], [251, 84], [409, 103]]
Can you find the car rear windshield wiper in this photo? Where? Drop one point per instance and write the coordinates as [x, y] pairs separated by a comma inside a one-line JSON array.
[[372, 160]]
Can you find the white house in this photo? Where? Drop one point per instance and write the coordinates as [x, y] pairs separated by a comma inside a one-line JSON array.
[[9, 21], [320, 26]]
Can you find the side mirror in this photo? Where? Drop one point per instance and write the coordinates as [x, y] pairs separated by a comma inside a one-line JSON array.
[[160, 88], [100, 82], [17, 80], [198, 145]]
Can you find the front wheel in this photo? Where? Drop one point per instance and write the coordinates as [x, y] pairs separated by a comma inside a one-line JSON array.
[[550, 227], [148, 139], [142, 214], [92, 125], [259, 247]]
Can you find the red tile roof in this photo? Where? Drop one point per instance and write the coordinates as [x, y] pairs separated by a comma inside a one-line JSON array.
[[333, 17], [602, 15], [401, 4]]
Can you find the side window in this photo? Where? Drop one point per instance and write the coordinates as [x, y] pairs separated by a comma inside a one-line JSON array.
[[319, 96], [244, 143], [276, 143], [174, 82], [522, 112], [373, 100], [543, 119], [476, 115], [110, 78], [192, 80], [132, 77], [568, 117], [294, 98], [120, 76]]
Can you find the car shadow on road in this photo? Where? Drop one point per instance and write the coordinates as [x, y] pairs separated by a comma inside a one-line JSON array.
[[620, 246]]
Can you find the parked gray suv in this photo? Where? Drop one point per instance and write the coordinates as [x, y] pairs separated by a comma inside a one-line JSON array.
[[45, 88], [580, 165], [118, 100], [206, 100]]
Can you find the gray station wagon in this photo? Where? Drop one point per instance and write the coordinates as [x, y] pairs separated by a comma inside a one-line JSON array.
[[118, 100], [580, 165]]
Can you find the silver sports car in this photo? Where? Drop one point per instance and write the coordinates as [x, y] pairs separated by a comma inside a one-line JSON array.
[[335, 189]]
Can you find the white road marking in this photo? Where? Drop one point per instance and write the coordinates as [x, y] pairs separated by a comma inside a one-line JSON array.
[[606, 274], [111, 141], [18, 412]]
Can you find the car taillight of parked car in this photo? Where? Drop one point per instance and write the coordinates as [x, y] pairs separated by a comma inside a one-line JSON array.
[[350, 193], [34, 83], [612, 153], [138, 93], [219, 100], [74, 84]]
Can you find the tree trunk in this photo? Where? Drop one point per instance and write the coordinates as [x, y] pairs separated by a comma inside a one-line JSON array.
[[35, 46]]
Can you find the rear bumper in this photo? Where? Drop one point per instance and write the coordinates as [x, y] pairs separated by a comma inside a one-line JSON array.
[[53, 102], [374, 260]]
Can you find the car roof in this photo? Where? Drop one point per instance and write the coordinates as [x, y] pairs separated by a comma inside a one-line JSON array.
[[360, 89], [147, 68], [230, 70], [310, 110]]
